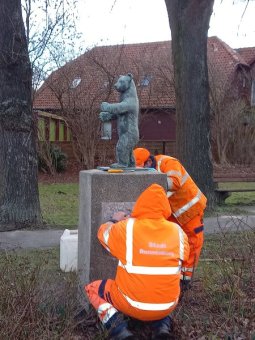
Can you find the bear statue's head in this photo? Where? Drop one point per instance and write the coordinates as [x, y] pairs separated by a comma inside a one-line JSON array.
[[123, 83]]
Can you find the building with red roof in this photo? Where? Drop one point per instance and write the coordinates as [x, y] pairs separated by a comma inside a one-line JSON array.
[[83, 83]]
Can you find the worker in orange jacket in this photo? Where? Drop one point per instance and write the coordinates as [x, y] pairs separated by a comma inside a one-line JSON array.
[[150, 250], [187, 203]]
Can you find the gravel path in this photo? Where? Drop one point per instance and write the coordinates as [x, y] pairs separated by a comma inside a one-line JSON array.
[[25, 239]]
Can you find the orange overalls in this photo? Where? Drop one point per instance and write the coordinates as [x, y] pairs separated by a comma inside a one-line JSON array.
[[187, 203], [150, 250]]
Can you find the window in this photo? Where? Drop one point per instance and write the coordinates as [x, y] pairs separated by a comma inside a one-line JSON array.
[[52, 130], [253, 93], [146, 80], [76, 82]]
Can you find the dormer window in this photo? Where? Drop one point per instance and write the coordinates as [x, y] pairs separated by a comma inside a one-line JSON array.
[[215, 47], [146, 80], [76, 82]]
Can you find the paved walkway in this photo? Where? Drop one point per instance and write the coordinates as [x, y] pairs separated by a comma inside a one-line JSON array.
[[25, 239]]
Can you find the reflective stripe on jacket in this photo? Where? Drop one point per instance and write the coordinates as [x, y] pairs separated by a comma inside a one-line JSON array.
[[150, 250], [185, 198]]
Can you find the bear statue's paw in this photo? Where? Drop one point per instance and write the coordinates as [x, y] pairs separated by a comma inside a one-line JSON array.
[[118, 166], [104, 106], [105, 116]]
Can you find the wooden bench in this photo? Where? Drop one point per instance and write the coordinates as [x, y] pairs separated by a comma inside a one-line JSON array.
[[225, 193]]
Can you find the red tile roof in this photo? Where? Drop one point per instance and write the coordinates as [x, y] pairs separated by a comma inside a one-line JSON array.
[[248, 54], [99, 68]]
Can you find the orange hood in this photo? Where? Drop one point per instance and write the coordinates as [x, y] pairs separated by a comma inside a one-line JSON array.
[[152, 203], [141, 156]]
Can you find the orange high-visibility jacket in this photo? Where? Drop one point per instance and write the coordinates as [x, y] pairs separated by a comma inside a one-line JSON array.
[[185, 198], [150, 251]]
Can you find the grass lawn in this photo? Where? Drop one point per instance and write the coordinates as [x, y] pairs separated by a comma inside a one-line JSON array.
[[59, 204], [240, 198]]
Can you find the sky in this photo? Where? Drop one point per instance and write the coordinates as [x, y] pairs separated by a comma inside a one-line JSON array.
[[110, 22]]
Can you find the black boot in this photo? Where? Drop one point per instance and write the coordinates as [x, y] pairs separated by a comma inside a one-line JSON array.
[[118, 328], [162, 329], [135, 324]]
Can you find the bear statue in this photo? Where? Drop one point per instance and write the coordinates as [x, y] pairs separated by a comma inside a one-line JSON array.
[[126, 113]]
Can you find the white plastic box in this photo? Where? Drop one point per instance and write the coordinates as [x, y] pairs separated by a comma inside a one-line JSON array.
[[69, 250]]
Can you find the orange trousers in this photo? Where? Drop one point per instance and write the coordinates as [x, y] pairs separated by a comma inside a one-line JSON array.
[[99, 297], [105, 297], [194, 229]]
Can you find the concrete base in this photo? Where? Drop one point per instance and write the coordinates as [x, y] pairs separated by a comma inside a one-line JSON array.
[[101, 194]]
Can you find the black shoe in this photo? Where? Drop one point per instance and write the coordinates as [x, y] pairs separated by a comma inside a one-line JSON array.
[[135, 324], [162, 332], [162, 329], [185, 285], [121, 332]]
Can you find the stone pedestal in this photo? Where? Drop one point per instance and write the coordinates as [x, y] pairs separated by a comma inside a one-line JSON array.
[[101, 194]]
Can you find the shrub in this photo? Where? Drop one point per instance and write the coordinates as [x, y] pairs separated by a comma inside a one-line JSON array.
[[59, 158], [51, 158]]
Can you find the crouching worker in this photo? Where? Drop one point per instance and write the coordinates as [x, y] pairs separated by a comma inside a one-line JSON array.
[[187, 204], [150, 250]]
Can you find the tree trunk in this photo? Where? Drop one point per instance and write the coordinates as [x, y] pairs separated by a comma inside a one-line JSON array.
[[19, 198], [189, 23]]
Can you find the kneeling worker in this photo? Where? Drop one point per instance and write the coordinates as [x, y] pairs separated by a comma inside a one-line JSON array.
[[186, 200], [151, 251]]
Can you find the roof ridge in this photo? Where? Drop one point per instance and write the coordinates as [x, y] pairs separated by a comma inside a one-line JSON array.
[[232, 52], [248, 53], [244, 48], [135, 44]]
